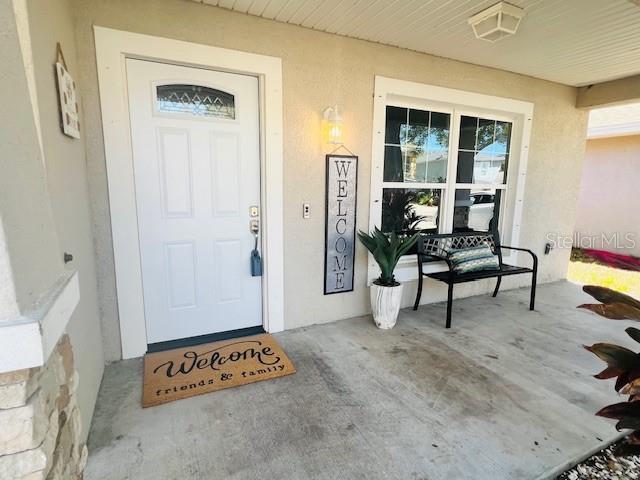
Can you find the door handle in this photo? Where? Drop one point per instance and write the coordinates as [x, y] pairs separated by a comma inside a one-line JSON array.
[[256, 260]]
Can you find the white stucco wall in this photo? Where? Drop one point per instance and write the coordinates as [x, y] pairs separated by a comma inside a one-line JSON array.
[[66, 177], [32, 262], [8, 301], [608, 216], [320, 70]]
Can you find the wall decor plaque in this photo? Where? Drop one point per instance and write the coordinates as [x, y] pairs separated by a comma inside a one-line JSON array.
[[68, 98], [340, 222]]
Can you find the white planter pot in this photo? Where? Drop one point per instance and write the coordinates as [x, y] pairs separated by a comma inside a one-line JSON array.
[[385, 305]]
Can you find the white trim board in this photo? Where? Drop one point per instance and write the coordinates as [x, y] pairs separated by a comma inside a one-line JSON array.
[[618, 130], [419, 95], [112, 48]]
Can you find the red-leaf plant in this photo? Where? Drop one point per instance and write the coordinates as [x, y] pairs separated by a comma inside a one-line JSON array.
[[622, 363]]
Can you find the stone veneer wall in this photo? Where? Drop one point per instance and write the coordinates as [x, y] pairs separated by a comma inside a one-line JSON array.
[[40, 422]]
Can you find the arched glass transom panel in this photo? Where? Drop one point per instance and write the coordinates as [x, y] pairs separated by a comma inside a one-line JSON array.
[[195, 100]]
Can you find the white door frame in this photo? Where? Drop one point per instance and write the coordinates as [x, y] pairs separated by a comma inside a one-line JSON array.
[[112, 49]]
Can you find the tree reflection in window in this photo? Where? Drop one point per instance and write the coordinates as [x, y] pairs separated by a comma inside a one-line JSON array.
[[416, 145], [483, 152], [195, 100], [410, 210]]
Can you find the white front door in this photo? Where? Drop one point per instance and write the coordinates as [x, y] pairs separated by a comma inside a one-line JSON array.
[[195, 138]]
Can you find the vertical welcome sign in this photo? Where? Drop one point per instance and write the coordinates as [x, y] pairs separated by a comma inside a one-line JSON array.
[[340, 227]]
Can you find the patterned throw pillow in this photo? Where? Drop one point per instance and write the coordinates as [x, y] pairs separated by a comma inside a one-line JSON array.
[[474, 259]]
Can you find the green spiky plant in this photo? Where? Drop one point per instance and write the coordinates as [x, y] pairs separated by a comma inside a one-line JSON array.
[[387, 251], [622, 364]]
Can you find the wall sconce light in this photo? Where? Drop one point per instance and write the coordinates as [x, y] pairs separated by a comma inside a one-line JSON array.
[[332, 127]]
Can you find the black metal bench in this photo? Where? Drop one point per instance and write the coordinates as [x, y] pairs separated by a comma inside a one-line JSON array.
[[436, 248]]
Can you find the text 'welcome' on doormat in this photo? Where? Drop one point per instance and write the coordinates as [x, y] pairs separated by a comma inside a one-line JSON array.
[[185, 372]]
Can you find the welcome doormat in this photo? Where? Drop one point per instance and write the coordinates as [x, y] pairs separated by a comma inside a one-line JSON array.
[[185, 372]]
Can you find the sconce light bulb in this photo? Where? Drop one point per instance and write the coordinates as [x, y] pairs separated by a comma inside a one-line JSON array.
[[333, 125]]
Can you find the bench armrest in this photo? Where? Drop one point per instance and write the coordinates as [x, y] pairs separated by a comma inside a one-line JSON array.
[[534, 257]]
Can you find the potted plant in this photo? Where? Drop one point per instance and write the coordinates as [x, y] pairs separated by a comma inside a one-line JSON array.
[[386, 292]]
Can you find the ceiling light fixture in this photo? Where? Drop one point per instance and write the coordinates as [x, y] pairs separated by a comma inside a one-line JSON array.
[[496, 22]]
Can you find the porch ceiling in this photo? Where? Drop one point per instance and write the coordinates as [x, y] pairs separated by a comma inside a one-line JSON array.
[[574, 42]]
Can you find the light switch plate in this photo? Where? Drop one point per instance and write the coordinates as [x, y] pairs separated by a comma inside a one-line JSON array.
[[306, 210]]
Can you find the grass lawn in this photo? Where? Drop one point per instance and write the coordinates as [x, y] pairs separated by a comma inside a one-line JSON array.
[[587, 271]]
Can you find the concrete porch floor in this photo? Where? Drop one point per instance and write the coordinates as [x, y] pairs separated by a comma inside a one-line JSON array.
[[504, 394]]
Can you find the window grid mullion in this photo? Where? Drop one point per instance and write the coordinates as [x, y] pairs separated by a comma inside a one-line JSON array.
[[428, 151], [406, 142], [452, 171]]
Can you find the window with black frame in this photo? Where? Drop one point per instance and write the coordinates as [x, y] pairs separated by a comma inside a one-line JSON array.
[[416, 159], [417, 178]]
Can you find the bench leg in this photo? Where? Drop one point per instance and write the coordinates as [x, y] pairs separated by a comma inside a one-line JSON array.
[[532, 301], [449, 302], [419, 294], [495, 292]]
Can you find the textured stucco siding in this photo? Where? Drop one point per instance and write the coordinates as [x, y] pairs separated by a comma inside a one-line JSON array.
[[608, 215], [31, 263], [66, 177], [319, 70]]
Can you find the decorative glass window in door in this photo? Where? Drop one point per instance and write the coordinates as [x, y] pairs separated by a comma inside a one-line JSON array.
[[416, 155], [195, 100]]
